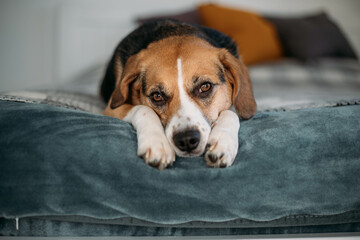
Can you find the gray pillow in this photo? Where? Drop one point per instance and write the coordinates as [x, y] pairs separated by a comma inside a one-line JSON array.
[[312, 37]]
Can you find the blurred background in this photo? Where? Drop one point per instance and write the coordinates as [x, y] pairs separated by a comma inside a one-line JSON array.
[[47, 43]]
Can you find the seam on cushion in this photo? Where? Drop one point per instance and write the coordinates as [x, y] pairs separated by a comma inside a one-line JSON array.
[[286, 221]]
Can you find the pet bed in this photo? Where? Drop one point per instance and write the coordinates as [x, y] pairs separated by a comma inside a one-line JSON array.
[[66, 171]]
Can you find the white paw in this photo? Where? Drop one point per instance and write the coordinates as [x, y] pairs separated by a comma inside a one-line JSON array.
[[155, 149], [221, 149]]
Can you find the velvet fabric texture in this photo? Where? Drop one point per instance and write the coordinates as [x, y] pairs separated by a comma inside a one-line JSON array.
[[295, 168]]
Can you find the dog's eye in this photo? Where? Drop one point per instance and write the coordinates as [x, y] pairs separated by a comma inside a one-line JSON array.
[[157, 97], [205, 87]]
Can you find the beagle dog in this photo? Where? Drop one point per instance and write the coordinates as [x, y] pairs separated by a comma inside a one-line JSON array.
[[175, 83]]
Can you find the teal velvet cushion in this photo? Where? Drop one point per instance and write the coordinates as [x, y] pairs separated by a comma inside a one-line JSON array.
[[295, 168]]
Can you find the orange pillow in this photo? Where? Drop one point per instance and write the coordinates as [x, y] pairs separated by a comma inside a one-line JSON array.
[[256, 38]]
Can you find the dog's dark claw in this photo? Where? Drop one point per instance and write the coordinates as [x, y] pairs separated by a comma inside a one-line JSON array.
[[154, 164], [212, 158], [222, 165]]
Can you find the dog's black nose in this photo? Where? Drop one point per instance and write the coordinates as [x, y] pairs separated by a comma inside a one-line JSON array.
[[187, 140]]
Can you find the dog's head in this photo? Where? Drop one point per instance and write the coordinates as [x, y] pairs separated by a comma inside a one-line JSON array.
[[188, 83]]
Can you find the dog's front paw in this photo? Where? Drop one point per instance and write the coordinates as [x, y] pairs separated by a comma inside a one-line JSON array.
[[155, 149], [221, 149]]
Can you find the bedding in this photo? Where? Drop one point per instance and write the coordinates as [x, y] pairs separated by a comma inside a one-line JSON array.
[[66, 172]]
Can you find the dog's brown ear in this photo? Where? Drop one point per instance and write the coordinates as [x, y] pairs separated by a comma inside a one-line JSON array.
[[130, 73], [238, 75]]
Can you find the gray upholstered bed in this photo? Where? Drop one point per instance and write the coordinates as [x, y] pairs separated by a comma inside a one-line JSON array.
[[66, 170]]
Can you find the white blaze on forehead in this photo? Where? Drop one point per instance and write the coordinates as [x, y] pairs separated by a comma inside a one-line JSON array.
[[179, 68], [188, 107], [183, 96], [189, 116]]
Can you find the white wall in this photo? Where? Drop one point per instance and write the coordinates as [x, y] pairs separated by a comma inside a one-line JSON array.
[[47, 42], [26, 43]]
